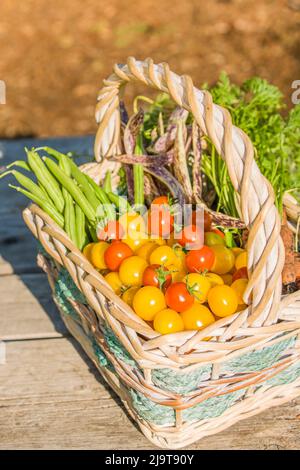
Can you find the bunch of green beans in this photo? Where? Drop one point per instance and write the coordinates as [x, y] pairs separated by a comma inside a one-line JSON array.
[[70, 197]]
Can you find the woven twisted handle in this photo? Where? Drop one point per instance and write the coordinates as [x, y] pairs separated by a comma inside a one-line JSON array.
[[257, 209]]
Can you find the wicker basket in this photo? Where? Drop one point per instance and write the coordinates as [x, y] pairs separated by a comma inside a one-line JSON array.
[[180, 388]]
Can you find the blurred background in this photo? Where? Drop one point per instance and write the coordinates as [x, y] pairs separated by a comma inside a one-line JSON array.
[[55, 53]]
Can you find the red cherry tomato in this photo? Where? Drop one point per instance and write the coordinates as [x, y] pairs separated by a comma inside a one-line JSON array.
[[206, 219], [218, 232], [190, 237], [115, 254], [200, 260], [112, 231], [241, 273], [178, 297], [160, 221], [157, 276]]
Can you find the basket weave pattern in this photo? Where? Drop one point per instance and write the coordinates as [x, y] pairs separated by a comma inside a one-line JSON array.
[[180, 387]]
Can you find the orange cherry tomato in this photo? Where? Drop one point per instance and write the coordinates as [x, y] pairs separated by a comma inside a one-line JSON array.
[[178, 297], [148, 301], [222, 300], [160, 221], [157, 276], [200, 260], [190, 237], [115, 254], [112, 231], [197, 317], [168, 321], [241, 273], [161, 201]]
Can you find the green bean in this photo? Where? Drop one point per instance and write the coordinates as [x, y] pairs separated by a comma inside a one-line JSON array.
[[103, 198], [67, 182], [138, 174], [92, 232], [19, 163], [120, 202], [46, 179], [107, 187], [27, 183], [45, 205], [80, 227], [69, 210]]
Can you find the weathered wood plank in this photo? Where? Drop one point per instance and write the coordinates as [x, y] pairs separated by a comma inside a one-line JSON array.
[[17, 245], [27, 308], [51, 398]]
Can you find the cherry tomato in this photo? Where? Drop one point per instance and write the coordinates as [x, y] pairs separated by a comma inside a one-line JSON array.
[[168, 321], [148, 301], [157, 276], [198, 285], [97, 255], [136, 240], [131, 271], [214, 279], [160, 221], [145, 250], [239, 286], [161, 201], [128, 295], [197, 317], [224, 259], [212, 238], [200, 260], [222, 300], [190, 237], [180, 258], [114, 281], [178, 297], [112, 231], [87, 250], [241, 260], [163, 255], [237, 251], [132, 223], [241, 273], [218, 232], [206, 219], [115, 254], [227, 278]]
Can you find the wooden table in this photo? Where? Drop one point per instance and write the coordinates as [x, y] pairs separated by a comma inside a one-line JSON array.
[[51, 396]]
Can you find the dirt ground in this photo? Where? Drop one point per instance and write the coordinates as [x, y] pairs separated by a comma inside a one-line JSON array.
[[55, 53]]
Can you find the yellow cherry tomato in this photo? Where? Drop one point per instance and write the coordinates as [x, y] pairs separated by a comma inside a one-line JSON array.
[[211, 238], [214, 279], [224, 259], [131, 271], [241, 260], [227, 278], [180, 258], [132, 223], [222, 300], [136, 241], [163, 255], [199, 284], [97, 255], [239, 286], [87, 250], [128, 295], [168, 321], [237, 251], [145, 250], [176, 273], [148, 301], [197, 317], [114, 281]]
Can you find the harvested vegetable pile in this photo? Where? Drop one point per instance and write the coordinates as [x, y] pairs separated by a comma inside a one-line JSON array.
[[165, 231]]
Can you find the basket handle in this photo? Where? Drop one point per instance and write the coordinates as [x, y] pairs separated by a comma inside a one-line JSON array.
[[256, 196]]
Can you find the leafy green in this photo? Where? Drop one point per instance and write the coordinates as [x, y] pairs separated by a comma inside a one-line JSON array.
[[256, 107]]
